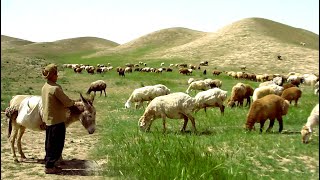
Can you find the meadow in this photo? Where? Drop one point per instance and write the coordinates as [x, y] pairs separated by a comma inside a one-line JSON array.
[[221, 149]]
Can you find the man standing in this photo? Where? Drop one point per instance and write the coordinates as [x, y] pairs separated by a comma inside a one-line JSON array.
[[55, 105]]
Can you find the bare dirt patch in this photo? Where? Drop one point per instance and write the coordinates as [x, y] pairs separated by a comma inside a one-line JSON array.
[[77, 164]]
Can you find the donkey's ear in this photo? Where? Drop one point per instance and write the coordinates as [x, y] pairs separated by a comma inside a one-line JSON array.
[[83, 99]]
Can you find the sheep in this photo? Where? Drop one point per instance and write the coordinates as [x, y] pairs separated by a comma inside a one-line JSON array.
[[237, 94], [268, 107], [198, 85], [98, 85], [266, 83], [174, 106], [191, 80], [316, 88], [213, 83], [288, 85], [313, 120], [261, 92], [216, 72], [278, 80], [310, 79], [293, 93], [146, 93], [249, 92], [210, 98]]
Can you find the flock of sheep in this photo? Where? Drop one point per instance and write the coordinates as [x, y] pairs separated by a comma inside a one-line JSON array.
[[269, 101]]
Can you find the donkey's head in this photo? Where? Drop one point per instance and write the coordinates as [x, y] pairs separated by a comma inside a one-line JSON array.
[[88, 114]]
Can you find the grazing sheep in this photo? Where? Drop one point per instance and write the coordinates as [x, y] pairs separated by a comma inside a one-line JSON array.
[[249, 92], [288, 85], [237, 94], [98, 85], [316, 88], [216, 72], [205, 72], [191, 80], [213, 83], [266, 83], [174, 106], [203, 63], [293, 93], [210, 98], [198, 85], [268, 107], [261, 92], [265, 90], [146, 93], [312, 121]]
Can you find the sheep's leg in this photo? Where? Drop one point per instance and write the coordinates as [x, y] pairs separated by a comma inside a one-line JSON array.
[[164, 123], [194, 129], [20, 134], [185, 118], [105, 94], [296, 102], [222, 109], [248, 101], [261, 125], [100, 93], [280, 123], [270, 125]]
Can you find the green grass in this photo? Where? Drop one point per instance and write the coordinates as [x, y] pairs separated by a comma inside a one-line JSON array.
[[221, 149]]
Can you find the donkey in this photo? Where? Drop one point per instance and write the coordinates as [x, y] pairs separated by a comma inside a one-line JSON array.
[[86, 115]]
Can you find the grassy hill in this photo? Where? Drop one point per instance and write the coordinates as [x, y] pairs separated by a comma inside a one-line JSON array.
[[8, 42], [220, 150]]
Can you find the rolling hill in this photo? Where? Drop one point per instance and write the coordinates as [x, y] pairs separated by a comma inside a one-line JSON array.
[[253, 42]]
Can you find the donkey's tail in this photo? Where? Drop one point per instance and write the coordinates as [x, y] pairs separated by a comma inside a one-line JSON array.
[[9, 112]]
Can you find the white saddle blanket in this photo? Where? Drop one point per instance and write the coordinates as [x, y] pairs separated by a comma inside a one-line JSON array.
[[29, 114]]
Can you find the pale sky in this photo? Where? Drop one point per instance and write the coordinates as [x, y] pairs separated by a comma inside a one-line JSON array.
[[124, 20]]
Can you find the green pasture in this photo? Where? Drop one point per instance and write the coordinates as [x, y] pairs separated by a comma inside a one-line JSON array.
[[221, 149]]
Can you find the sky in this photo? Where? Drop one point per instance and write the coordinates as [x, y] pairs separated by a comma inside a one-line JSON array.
[[122, 21]]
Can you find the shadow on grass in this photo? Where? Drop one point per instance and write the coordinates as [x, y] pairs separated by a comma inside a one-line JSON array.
[[73, 167]]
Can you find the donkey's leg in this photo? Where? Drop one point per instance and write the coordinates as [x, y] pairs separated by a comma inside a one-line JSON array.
[[20, 134], [12, 138]]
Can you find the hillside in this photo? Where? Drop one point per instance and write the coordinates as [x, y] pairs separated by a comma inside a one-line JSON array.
[[80, 44], [254, 42], [155, 41], [8, 42]]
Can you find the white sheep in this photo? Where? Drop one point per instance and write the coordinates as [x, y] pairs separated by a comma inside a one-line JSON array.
[[261, 92], [146, 93], [174, 106], [198, 85], [210, 98], [312, 121], [98, 85], [266, 83], [191, 80]]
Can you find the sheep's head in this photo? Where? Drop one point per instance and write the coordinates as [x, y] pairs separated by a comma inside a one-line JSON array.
[[145, 120], [305, 134]]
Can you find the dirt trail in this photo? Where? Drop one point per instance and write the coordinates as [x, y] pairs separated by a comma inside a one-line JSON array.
[[77, 164]]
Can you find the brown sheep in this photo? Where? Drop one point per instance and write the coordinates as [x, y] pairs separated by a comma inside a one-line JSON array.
[[292, 93], [268, 107], [249, 92], [237, 94], [98, 85], [216, 72], [288, 85]]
